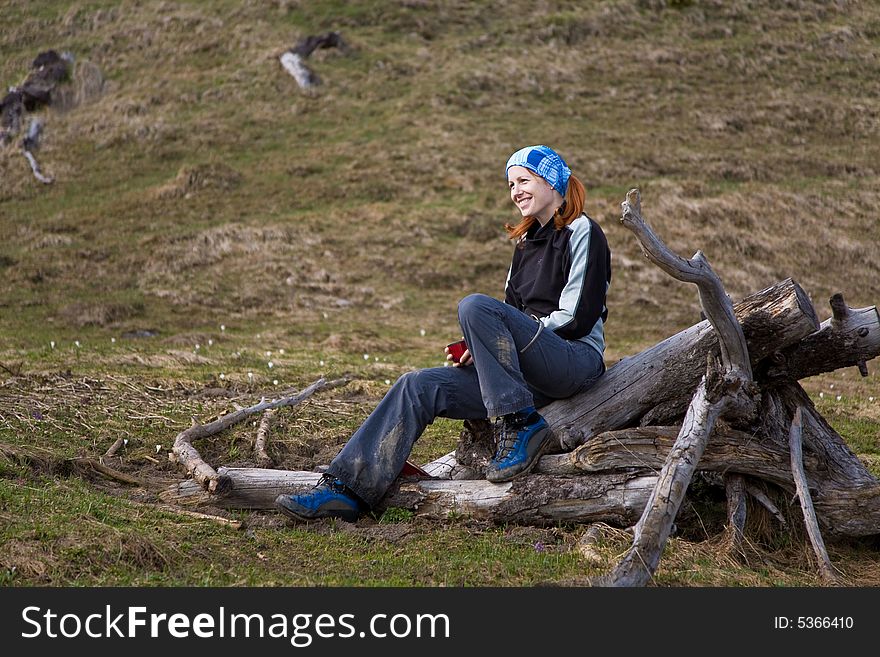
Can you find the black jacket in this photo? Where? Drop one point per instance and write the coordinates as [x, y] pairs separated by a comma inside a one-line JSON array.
[[562, 277]]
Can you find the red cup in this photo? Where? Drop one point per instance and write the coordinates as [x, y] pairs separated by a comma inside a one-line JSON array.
[[456, 350]]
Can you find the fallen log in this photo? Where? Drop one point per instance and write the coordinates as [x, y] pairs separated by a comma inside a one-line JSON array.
[[654, 386], [845, 495], [293, 60], [852, 337], [616, 499], [635, 453]]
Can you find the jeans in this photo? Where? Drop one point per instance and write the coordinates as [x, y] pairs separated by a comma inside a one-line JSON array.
[[500, 380]]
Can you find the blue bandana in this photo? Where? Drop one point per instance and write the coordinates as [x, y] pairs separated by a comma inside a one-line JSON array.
[[544, 161]]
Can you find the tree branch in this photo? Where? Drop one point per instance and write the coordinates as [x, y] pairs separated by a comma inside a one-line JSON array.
[[188, 457], [827, 571]]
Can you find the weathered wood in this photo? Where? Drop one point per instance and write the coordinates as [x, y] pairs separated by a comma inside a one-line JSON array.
[[249, 488], [188, 456], [294, 63], [765, 501], [659, 377], [296, 66], [111, 451], [714, 301], [652, 531], [803, 492], [735, 492], [616, 499], [846, 498], [851, 336], [646, 448], [262, 456]]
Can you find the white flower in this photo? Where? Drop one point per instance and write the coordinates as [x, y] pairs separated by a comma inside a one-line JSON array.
[[274, 382], [210, 342], [422, 332], [52, 344], [112, 339], [321, 363], [387, 382], [76, 342], [198, 346], [125, 441], [326, 315], [268, 353], [222, 376], [821, 395], [158, 448], [250, 375], [222, 327], [870, 399], [366, 356], [270, 364], [831, 386], [838, 397], [281, 351]]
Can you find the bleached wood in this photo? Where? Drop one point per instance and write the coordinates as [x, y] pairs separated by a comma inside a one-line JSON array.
[[722, 389], [653, 529], [713, 299], [616, 498], [189, 458], [653, 386], [296, 66], [735, 492], [262, 456], [762, 499], [803, 492], [850, 337], [35, 168]]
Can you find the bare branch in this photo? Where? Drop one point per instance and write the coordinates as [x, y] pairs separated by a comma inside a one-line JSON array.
[[735, 489], [714, 300], [188, 457], [111, 451], [762, 498], [827, 571], [263, 459], [655, 525]]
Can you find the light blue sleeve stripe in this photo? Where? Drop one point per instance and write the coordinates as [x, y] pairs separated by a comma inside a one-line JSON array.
[[579, 245]]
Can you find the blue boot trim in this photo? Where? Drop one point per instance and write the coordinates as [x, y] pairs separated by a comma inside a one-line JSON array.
[[519, 449], [330, 498]]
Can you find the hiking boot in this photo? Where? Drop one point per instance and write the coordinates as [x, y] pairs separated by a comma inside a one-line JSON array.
[[520, 445], [330, 498]]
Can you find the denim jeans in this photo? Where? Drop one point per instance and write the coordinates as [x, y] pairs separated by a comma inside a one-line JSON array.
[[502, 379]]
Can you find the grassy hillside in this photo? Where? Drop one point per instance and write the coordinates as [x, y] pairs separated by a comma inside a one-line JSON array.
[[204, 200]]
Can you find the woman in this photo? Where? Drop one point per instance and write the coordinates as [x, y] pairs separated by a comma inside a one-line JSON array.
[[544, 342]]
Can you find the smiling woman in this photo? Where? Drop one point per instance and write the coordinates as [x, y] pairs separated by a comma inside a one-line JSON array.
[[539, 193], [543, 342]]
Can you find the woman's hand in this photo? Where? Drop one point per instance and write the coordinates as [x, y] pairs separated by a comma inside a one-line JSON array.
[[464, 360]]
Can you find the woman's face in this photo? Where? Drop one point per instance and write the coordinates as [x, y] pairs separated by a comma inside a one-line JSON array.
[[532, 194]]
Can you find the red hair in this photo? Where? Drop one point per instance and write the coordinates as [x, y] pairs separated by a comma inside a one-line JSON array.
[[571, 208]]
